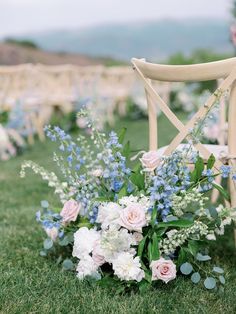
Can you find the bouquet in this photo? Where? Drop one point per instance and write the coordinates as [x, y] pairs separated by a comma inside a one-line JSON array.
[[128, 223]]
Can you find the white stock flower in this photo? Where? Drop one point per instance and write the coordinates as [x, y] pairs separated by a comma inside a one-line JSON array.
[[84, 241], [108, 214], [87, 267], [114, 241], [126, 267]]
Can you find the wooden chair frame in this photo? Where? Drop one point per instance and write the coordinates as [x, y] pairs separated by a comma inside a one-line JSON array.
[[224, 69]]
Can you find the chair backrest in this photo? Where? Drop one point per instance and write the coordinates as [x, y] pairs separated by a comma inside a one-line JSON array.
[[224, 69]]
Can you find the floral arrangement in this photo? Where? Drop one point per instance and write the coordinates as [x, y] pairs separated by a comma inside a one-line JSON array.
[[131, 224]]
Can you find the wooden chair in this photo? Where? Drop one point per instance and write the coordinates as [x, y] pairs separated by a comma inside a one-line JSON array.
[[225, 69]]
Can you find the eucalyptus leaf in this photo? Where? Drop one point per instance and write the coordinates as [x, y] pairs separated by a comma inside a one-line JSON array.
[[186, 268], [195, 277], [44, 204], [43, 253], [222, 279], [48, 244], [68, 264], [203, 258], [218, 270], [210, 283]]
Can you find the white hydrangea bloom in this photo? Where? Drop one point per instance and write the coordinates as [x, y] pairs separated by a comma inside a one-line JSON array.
[[84, 241], [126, 267], [108, 214], [114, 241], [87, 267]]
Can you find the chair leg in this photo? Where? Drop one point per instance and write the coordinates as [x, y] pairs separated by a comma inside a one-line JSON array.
[[215, 192]]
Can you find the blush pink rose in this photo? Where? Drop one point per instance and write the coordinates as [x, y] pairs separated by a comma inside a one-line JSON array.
[[150, 160], [133, 217], [70, 211], [164, 270], [52, 233]]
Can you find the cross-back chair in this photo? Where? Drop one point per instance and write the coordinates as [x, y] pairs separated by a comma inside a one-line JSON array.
[[225, 70]]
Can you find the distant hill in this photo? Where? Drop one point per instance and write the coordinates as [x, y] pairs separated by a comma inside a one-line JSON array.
[[13, 54], [153, 40]]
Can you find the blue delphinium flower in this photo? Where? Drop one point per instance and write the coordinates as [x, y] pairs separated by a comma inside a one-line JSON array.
[[170, 177], [225, 171], [209, 174]]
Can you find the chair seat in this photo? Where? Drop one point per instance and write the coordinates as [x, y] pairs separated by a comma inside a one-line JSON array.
[[219, 151]]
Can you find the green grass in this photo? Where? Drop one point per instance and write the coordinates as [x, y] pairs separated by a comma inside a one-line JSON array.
[[32, 284]]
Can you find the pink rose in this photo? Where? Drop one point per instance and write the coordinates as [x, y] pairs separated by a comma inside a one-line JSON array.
[[97, 254], [164, 270], [70, 211], [133, 217], [150, 160], [52, 233]]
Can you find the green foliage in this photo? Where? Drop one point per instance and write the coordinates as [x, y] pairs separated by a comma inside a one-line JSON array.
[[22, 42]]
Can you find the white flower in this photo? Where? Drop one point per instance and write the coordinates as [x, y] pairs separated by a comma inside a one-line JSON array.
[[84, 241], [87, 267], [114, 241], [108, 214], [126, 267]]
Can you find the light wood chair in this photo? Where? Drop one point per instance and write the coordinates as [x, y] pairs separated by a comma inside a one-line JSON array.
[[225, 70]]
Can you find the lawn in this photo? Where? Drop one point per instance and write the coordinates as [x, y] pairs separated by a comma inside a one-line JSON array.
[[33, 284]]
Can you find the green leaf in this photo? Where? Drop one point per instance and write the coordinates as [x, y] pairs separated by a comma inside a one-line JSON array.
[[141, 246], [137, 179], [211, 161], [218, 270], [222, 191], [186, 268], [48, 244], [154, 216], [222, 279], [182, 223], [197, 172], [155, 247], [126, 150], [68, 264], [144, 286], [210, 283], [121, 135], [150, 251], [193, 247], [122, 192], [182, 256], [195, 277], [148, 276], [202, 258]]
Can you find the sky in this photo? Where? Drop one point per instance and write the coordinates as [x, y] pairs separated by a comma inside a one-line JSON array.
[[26, 16]]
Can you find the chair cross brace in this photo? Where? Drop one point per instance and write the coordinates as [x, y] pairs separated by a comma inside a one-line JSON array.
[[201, 114]]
